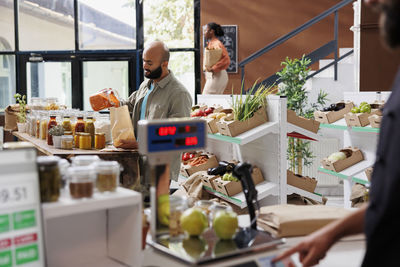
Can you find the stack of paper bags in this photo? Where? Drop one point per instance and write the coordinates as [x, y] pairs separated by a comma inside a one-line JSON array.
[[293, 220]]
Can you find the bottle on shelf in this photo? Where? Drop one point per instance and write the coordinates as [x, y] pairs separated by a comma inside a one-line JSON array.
[[66, 123], [51, 124], [89, 128]]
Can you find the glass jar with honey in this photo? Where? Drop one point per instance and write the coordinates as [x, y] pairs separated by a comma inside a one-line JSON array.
[[85, 141], [99, 141]]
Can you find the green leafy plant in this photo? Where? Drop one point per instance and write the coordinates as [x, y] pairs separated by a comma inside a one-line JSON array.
[[57, 130], [293, 77], [21, 100], [255, 98]]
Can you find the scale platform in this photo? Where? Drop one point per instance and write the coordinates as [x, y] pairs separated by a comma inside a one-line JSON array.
[[208, 247]]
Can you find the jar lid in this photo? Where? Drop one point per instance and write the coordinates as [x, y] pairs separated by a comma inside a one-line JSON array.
[[84, 134], [84, 160], [68, 133], [67, 116], [81, 173], [67, 137], [100, 134], [105, 165], [47, 160]]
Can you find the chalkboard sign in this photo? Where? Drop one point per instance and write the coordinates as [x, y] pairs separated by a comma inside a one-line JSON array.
[[230, 42]]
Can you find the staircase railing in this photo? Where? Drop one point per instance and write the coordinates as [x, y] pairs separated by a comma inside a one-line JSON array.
[[319, 53]]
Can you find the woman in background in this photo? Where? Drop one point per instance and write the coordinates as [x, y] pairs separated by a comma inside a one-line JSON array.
[[216, 76]]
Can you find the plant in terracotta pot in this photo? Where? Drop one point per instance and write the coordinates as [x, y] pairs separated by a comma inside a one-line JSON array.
[[21, 115], [56, 132]]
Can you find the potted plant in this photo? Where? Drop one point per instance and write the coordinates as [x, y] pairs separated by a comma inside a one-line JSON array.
[[21, 115], [56, 132], [292, 79]]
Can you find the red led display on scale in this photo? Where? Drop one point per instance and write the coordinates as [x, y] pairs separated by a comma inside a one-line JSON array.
[[167, 130], [191, 141]]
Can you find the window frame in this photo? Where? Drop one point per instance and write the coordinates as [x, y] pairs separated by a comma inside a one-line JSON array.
[[77, 56]]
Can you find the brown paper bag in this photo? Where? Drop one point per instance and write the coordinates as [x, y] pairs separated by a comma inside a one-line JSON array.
[[11, 117], [211, 56], [293, 220], [121, 125]]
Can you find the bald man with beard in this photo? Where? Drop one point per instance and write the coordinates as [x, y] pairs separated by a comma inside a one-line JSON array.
[[380, 218], [160, 96]]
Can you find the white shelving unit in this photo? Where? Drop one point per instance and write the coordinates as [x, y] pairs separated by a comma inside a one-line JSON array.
[[364, 138], [102, 231], [263, 146]]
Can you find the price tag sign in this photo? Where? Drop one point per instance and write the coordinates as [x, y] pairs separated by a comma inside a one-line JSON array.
[[21, 235]]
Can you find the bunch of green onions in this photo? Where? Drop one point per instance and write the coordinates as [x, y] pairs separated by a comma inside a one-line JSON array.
[[254, 99]]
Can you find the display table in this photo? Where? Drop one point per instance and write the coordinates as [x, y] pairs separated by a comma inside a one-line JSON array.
[[347, 252], [130, 175]]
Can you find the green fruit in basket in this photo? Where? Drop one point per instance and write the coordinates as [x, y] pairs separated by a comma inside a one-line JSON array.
[[225, 224], [194, 221], [363, 104], [365, 109], [355, 110]]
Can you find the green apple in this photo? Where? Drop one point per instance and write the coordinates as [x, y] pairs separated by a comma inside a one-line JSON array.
[[194, 246], [355, 110], [163, 209], [194, 221], [365, 109], [225, 224]]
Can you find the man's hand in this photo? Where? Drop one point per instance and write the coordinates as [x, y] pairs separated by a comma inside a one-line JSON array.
[[128, 144], [312, 249], [209, 69]]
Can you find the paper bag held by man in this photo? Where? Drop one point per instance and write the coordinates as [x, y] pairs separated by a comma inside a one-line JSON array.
[[121, 125]]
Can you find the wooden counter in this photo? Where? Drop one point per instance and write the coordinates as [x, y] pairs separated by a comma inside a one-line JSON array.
[[129, 159]]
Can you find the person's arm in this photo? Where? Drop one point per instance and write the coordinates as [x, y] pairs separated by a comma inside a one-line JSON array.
[[314, 247], [181, 104], [223, 62], [130, 102]]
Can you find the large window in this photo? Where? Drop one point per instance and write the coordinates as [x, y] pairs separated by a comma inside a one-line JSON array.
[[53, 48], [104, 74], [107, 24]]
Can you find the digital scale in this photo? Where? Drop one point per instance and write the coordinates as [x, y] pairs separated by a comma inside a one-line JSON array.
[[21, 235], [163, 140]]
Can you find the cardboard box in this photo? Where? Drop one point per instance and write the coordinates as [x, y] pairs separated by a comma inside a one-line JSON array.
[[337, 166], [375, 120], [212, 123], [208, 180], [308, 124], [368, 173], [332, 116], [234, 128], [306, 183], [231, 188], [359, 119], [212, 162]]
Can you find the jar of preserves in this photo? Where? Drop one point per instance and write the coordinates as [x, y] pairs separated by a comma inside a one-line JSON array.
[[66, 123], [85, 141], [80, 124], [38, 119], [99, 141], [76, 139], [81, 181], [67, 142], [89, 128], [52, 103], [43, 126], [49, 178], [51, 124], [177, 205], [84, 160], [107, 175]]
